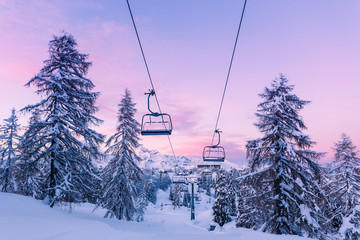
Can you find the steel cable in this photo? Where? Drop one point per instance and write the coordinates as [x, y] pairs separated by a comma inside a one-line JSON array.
[[228, 74], [148, 71]]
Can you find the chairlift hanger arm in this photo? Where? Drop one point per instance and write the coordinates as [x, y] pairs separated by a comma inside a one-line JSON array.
[[218, 132], [151, 93]]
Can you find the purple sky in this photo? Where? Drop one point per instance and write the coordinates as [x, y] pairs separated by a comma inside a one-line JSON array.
[[188, 45]]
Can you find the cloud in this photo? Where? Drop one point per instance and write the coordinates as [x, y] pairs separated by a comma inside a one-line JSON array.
[[186, 119]]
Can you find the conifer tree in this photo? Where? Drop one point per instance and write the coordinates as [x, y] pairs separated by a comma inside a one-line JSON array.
[[248, 215], [63, 138], [221, 210], [164, 181], [186, 199], [9, 152], [176, 195], [35, 117], [343, 188], [231, 196], [151, 191], [171, 193], [150, 184], [284, 172], [205, 181], [141, 205], [119, 194], [32, 170]]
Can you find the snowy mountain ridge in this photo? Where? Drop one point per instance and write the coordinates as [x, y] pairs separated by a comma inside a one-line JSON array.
[[153, 159]]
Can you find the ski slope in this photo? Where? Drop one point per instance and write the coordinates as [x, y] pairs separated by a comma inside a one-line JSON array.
[[23, 218]]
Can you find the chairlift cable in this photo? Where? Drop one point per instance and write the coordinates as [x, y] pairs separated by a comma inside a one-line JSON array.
[[148, 71], [228, 74], [143, 55]]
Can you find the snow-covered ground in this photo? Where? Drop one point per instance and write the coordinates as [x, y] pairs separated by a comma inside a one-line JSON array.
[[23, 218]]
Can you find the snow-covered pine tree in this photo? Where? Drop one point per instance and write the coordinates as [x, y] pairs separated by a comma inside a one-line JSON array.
[[205, 181], [248, 216], [9, 152], [231, 194], [164, 181], [284, 172], [33, 170], [186, 199], [221, 210], [119, 194], [171, 193], [150, 184], [176, 195], [141, 205], [67, 144], [343, 188], [208, 189], [35, 117], [151, 191]]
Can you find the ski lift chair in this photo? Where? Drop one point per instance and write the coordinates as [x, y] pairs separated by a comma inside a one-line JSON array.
[[214, 153], [155, 123]]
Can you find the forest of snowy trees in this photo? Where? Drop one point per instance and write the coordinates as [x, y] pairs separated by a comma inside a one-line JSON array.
[[284, 189]]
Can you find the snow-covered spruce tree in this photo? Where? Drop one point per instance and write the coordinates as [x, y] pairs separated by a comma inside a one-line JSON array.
[[119, 194], [231, 194], [284, 172], [205, 181], [150, 184], [171, 192], [248, 216], [32, 169], [164, 181], [63, 138], [35, 117], [221, 208], [141, 205], [175, 195], [151, 191], [343, 188], [186, 199], [9, 152]]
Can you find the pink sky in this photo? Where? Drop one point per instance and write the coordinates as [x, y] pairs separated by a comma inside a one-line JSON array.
[[188, 45]]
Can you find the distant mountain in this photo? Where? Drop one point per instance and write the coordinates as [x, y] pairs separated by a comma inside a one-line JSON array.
[[155, 159]]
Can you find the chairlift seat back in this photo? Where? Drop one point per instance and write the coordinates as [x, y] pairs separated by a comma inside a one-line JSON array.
[[214, 154], [156, 124]]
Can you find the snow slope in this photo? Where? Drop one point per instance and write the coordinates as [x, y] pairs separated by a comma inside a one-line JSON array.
[[23, 218]]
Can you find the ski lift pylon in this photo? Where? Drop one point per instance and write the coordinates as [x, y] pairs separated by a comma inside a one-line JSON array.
[[155, 123], [214, 153]]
